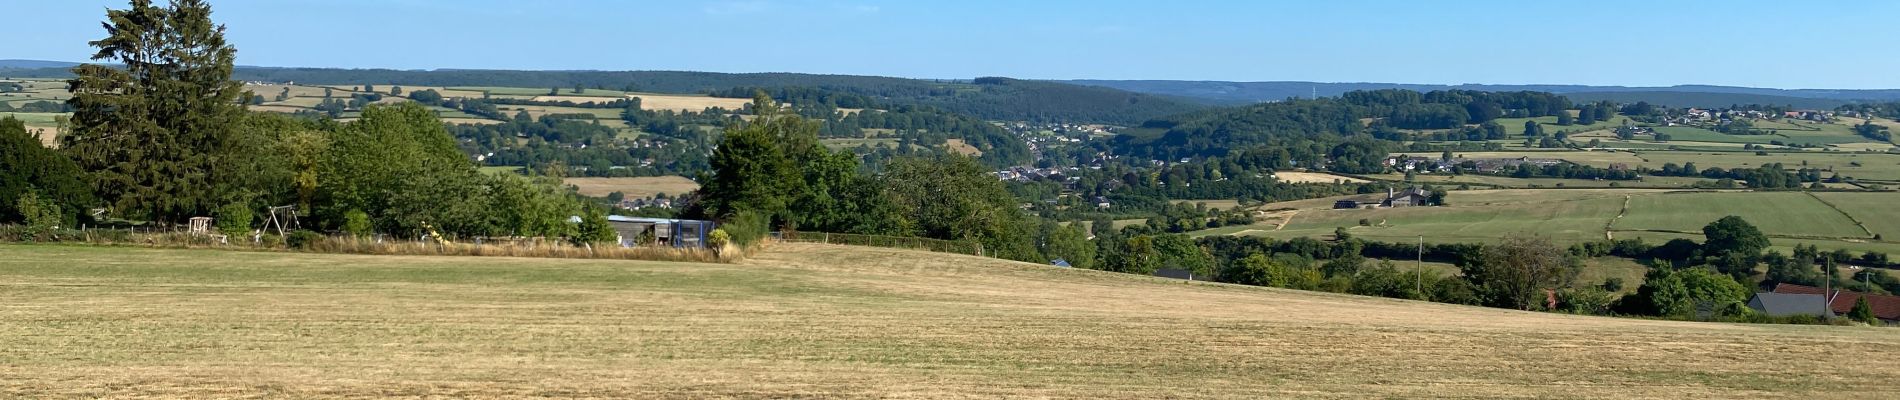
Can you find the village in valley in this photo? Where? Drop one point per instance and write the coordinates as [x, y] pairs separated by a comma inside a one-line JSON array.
[[957, 206]]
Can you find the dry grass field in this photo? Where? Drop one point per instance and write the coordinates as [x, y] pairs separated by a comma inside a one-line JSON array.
[[683, 103], [833, 322], [1314, 177], [633, 187], [961, 147]]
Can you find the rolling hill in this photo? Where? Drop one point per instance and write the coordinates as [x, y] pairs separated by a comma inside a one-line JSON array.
[[802, 320], [1231, 93]]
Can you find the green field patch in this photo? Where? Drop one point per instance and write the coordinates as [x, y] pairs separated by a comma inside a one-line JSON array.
[[34, 118], [1879, 211], [1776, 213], [1515, 126], [1694, 134]]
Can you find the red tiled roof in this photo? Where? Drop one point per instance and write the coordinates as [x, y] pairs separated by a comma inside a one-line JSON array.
[[1885, 306]]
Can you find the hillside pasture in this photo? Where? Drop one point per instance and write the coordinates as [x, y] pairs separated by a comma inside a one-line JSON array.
[[1514, 127], [539, 111], [1565, 216], [838, 144], [578, 99], [1877, 166], [1600, 159], [831, 321], [1227, 204], [633, 188], [1510, 182], [960, 147]]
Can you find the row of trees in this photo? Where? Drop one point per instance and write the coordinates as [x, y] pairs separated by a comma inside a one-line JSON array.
[[1686, 279], [164, 137]]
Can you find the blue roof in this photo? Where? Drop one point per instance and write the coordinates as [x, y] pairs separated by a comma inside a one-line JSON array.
[[1060, 263]]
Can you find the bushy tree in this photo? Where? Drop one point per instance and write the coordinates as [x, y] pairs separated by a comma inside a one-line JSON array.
[[750, 170], [1681, 293], [1732, 234], [1067, 243], [27, 166], [398, 164], [1515, 272], [952, 197]]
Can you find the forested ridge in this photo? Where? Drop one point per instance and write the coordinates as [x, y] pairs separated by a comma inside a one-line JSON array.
[[985, 98]]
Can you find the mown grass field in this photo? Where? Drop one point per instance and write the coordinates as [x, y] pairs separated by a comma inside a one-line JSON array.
[[830, 321], [1775, 213], [1577, 215]]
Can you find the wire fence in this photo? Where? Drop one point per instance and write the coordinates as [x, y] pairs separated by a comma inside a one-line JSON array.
[[899, 242]]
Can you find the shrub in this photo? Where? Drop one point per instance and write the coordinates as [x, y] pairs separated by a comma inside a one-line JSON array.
[[235, 219], [42, 216], [302, 240], [594, 228], [270, 241], [356, 223], [718, 239], [1613, 284], [745, 227]]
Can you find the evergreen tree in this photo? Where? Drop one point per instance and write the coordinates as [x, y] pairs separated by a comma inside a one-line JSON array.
[[1862, 312], [150, 131]]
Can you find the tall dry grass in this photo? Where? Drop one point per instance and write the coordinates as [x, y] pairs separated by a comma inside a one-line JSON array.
[[507, 247], [516, 248]]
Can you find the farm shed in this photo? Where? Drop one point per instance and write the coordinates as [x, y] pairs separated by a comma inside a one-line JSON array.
[[1789, 304], [666, 232], [1885, 307], [1172, 273]]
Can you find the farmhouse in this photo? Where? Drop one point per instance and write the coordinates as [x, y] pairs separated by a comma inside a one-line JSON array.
[[1410, 197], [1886, 307]]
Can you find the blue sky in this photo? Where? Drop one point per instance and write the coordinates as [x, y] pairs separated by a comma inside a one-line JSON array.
[[1808, 44]]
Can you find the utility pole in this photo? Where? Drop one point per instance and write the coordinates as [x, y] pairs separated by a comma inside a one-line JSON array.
[[1418, 269], [1827, 289]]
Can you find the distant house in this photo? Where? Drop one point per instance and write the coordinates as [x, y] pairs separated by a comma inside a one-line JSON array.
[[1172, 273], [1789, 304], [1061, 263], [1410, 197], [1885, 307]]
